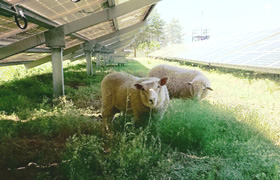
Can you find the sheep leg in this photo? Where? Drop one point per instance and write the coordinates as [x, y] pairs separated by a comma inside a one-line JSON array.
[[107, 130], [141, 119]]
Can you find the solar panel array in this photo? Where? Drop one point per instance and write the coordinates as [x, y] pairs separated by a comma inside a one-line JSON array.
[[260, 49], [52, 13]]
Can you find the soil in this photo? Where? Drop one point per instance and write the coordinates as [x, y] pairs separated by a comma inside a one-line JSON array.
[[30, 157]]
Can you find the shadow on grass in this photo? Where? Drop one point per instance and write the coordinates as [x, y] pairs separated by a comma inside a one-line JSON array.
[[42, 139], [24, 95], [29, 152]]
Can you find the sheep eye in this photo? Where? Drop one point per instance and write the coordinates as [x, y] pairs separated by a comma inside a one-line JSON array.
[[158, 87]]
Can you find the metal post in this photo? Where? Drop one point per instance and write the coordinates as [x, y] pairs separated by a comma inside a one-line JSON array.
[[105, 58], [89, 63], [57, 67], [55, 39], [109, 57], [97, 59], [113, 57]]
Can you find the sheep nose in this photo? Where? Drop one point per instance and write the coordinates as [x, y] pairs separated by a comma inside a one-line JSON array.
[[151, 101]]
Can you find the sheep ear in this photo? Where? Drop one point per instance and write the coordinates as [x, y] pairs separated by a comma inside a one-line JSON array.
[[209, 88], [190, 83], [137, 86], [163, 81]]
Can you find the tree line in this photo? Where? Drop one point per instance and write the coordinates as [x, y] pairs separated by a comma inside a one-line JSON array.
[[158, 34]]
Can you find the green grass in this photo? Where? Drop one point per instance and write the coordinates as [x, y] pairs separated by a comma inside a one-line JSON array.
[[232, 134]]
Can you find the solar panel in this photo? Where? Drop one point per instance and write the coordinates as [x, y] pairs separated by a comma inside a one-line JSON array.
[[254, 49], [63, 11], [132, 18], [47, 14]]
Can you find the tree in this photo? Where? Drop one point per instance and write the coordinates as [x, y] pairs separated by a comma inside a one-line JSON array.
[[174, 32], [156, 28], [152, 35]]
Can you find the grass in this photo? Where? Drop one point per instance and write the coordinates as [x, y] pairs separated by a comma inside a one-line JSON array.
[[232, 134]]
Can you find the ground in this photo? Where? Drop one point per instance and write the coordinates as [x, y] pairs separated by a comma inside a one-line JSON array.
[[232, 134]]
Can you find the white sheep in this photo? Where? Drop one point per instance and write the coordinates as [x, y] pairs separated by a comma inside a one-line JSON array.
[[183, 83], [140, 96]]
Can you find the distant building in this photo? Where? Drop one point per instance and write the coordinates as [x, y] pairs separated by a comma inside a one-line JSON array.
[[200, 34]]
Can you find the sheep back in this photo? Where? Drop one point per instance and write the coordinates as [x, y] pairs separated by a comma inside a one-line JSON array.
[[183, 83]]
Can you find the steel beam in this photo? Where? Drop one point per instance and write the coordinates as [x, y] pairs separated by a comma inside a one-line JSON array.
[[12, 63], [36, 50], [16, 31], [120, 38], [6, 9], [119, 44], [121, 32], [49, 58], [78, 57], [57, 67], [115, 21], [22, 45]]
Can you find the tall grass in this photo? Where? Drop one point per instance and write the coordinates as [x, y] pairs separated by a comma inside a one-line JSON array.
[[232, 134], [217, 131]]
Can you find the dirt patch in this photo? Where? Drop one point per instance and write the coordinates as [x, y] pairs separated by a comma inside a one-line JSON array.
[[27, 158], [75, 84]]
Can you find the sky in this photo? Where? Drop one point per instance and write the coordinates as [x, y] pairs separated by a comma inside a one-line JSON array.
[[221, 16]]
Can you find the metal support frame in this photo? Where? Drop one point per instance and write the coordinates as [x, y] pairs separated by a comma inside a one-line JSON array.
[[98, 59], [36, 50], [70, 50], [97, 51], [123, 43], [115, 21], [55, 36], [77, 56], [78, 47], [48, 58], [104, 51], [34, 18], [57, 67], [88, 48], [112, 57], [56, 40], [120, 38], [90, 70], [121, 32], [74, 26], [105, 55]]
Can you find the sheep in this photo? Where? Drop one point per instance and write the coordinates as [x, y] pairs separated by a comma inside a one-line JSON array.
[[140, 96], [183, 83]]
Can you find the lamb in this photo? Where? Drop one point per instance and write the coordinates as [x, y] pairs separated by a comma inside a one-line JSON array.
[[183, 83], [140, 96]]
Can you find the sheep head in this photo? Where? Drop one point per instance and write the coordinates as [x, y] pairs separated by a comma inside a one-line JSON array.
[[199, 89], [151, 91]]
